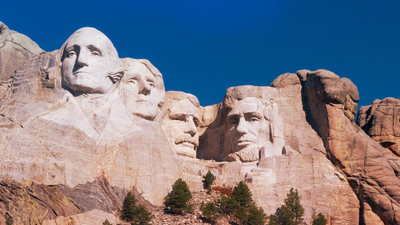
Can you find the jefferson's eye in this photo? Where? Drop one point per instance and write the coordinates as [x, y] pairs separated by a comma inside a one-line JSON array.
[[96, 53], [132, 81]]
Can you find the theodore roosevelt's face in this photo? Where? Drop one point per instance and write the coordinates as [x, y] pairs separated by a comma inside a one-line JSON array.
[[139, 91], [180, 126], [85, 63], [244, 123]]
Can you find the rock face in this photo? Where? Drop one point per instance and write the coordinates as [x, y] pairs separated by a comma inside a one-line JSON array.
[[80, 128], [381, 121], [15, 50]]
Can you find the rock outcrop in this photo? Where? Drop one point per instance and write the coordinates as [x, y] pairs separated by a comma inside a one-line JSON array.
[[381, 121], [15, 50]]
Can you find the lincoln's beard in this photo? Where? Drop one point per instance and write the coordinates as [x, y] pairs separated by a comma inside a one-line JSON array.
[[248, 154]]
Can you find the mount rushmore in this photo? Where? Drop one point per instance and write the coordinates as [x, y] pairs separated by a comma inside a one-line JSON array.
[[80, 128]]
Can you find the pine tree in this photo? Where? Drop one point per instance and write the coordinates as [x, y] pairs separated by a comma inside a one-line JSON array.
[[209, 179], [106, 222], [136, 214], [9, 220], [319, 219], [210, 211], [242, 194], [228, 205], [250, 214], [291, 213], [178, 200]]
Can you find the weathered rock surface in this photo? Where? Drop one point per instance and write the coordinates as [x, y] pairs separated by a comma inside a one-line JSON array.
[[371, 171], [15, 50], [381, 121]]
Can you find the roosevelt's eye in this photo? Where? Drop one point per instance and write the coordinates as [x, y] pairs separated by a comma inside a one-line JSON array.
[[96, 53]]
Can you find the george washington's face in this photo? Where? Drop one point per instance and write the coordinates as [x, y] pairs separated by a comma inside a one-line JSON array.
[[86, 62], [180, 126]]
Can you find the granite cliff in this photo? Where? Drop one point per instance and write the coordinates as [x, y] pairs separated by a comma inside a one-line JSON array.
[[73, 147]]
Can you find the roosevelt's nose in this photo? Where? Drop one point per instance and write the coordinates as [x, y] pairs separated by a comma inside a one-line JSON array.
[[191, 127]]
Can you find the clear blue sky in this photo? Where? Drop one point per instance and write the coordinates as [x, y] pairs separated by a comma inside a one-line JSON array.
[[203, 47]]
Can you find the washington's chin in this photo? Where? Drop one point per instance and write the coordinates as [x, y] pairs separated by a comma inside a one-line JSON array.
[[85, 83], [185, 149]]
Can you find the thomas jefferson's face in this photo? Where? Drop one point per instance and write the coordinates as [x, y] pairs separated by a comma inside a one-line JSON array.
[[244, 124], [85, 63], [139, 91], [180, 126]]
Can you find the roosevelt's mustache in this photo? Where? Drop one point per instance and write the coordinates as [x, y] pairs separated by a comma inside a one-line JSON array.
[[187, 138]]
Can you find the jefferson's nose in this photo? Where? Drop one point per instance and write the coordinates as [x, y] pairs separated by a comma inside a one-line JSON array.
[[145, 88]]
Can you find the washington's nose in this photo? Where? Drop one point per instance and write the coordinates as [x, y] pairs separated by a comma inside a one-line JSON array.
[[82, 59], [191, 127]]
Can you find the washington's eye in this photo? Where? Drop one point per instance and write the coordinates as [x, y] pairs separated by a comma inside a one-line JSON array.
[[96, 53], [70, 54], [151, 84]]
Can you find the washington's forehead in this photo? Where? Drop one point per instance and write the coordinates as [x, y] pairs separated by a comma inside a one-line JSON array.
[[247, 105], [88, 37], [184, 107]]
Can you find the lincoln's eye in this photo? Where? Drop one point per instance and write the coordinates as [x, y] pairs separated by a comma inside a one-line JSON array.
[[253, 119]]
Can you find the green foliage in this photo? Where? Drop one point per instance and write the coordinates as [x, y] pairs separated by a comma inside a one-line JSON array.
[[136, 214], [250, 214], [228, 205], [210, 211], [178, 199], [291, 213], [9, 220], [272, 220], [106, 222], [209, 179], [319, 219], [242, 194]]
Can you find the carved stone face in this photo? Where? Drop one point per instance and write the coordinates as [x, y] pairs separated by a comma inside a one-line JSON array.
[[139, 92], [86, 62], [245, 121], [180, 126]]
